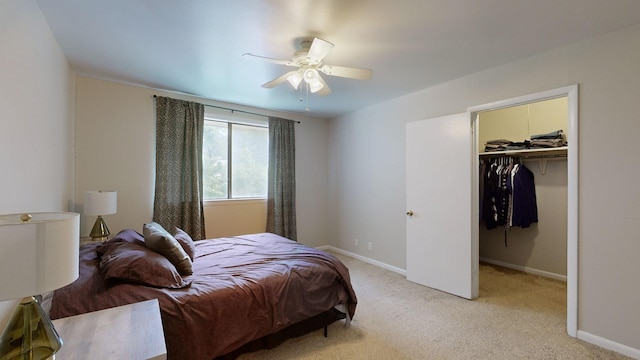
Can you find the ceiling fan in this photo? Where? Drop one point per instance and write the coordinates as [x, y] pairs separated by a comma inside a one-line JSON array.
[[309, 61]]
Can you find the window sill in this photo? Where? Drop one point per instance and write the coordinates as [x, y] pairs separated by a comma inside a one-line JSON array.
[[222, 202]]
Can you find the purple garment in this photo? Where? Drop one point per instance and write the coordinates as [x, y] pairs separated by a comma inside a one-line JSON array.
[[525, 208]]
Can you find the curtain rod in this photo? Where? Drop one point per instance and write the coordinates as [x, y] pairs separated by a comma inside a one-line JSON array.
[[234, 110]]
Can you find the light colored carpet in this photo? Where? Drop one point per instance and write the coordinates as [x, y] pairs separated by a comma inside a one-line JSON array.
[[517, 316]]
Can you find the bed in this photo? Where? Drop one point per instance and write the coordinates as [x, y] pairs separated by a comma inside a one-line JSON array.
[[243, 291]]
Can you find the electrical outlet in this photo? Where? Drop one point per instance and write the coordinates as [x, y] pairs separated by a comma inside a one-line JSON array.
[[355, 241], [370, 246]]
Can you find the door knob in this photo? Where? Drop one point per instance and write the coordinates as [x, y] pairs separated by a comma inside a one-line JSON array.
[[410, 213]]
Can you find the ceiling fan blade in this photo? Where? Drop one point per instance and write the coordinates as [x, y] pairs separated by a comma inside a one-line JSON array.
[[280, 79], [347, 72], [272, 60], [325, 89], [318, 50]]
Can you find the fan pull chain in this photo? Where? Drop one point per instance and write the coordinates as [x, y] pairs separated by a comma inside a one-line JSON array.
[[304, 96], [306, 108]]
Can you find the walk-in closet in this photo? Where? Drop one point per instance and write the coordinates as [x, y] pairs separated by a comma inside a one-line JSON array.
[[518, 147]]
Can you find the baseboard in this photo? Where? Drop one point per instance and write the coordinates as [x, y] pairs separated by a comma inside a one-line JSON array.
[[608, 344], [582, 335], [403, 272], [365, 259], [526, 269]]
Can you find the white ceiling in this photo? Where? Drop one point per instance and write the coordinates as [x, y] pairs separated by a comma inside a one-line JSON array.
[[196, 46]]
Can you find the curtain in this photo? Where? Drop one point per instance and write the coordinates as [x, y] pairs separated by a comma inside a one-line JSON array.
[[281, 194], [178, 190]]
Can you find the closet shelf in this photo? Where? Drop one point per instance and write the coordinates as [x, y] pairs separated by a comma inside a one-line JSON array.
[[542, 155], [530, 153]]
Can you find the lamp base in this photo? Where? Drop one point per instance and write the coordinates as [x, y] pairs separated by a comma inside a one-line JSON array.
[[29, 334], [99, 232]]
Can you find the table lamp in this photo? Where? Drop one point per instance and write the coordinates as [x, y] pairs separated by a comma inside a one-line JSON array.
[[39, 253], [100, 203]]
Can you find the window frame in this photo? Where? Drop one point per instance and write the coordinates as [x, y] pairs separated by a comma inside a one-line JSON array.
[[233, 119]]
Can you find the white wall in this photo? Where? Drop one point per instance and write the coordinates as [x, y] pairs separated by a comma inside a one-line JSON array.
[[231, 217], [36, 117], [367, 183], [116, 151]]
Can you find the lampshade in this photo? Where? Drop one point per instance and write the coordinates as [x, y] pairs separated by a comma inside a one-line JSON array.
[[295, 79], [39, 255], [100, 202], [312, 78], [315, 86], [310, 75]]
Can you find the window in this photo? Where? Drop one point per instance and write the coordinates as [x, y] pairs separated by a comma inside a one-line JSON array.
[[235, 157]]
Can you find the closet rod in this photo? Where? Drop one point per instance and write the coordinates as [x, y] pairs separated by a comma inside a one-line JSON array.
[[234, 110], [542, 158], [527, 157]]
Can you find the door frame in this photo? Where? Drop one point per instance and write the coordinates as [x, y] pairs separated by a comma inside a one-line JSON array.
[[571, 92]]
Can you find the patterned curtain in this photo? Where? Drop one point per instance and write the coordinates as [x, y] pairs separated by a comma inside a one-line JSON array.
[[281, 197], [178, 192]]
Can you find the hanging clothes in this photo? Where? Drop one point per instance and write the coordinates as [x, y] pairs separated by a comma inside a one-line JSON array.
[[525, 208], [490, 194], [508, 194]]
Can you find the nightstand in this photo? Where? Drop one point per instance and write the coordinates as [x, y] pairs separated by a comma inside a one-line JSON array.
[[86, 240], [131, 331]]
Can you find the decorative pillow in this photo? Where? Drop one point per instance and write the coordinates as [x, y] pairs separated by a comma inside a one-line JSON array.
[[160, 241], [186, 242], [135, 263], [128, 235]]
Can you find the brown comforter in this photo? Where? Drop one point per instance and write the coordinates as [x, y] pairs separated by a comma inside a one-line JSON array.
[[242, 289]]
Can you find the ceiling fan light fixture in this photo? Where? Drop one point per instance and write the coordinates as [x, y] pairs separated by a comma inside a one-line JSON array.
[[295, 79], [310, 75], [315, 86], [309, 60]]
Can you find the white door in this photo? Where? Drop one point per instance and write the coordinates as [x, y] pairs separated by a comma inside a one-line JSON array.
[[439, 176]]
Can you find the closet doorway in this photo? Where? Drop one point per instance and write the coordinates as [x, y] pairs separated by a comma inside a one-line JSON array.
[[549, 247]]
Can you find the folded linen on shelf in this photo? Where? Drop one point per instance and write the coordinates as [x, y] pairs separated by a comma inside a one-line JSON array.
[[551, 135], [549, 140]]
